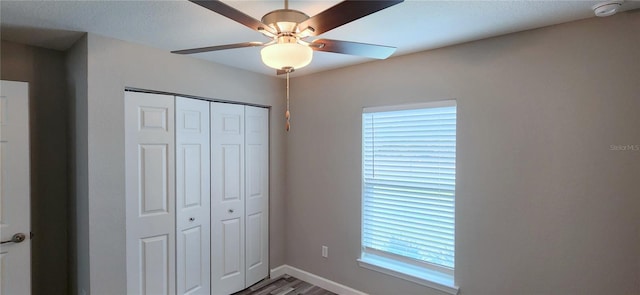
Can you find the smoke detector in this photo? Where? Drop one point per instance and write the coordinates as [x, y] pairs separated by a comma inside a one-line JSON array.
[[607, 8]]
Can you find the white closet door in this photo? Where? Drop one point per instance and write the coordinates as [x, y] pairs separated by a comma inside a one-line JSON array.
[[150, 200], [257, 194], [15, 258], [227, 199], [192, 197]]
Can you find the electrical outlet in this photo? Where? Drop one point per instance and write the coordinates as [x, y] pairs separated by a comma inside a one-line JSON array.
[[325, 251]]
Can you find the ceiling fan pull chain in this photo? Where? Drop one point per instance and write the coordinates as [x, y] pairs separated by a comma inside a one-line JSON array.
[[287, 114]]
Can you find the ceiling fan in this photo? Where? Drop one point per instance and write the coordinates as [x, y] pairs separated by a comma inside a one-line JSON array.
[[288, 30]]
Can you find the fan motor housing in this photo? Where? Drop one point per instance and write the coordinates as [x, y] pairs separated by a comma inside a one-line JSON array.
[[290, 16]]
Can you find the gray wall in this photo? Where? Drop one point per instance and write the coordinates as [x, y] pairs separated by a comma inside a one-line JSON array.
[[76, 60], [44, 69], [114, 65], [543, 205]]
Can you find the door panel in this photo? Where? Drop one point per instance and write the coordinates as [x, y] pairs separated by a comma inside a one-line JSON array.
[[231, 236], [257, 201], [231, 159], [150, 205], [254, 241], [153, 196], [254, 185], [227, 198], [15, 258], [193, 196], [190, 184], [154, 252], [193, 265]]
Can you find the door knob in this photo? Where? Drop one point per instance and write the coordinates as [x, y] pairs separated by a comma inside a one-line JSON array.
[[17, 238], [230, 210]]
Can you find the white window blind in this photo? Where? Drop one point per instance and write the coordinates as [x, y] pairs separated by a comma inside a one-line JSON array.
[[409, 160]]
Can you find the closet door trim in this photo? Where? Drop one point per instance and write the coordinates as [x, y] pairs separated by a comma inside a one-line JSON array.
[[216, 100]]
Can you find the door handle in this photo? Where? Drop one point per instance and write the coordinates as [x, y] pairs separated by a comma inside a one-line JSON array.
[[17, 238]]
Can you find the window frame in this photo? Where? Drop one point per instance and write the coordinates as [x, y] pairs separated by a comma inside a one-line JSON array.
[[428, 274]]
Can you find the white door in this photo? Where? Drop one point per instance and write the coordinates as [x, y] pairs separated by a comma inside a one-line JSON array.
[[227, 199], [15, 257], [257, 194], [150, 193], [192, 197]]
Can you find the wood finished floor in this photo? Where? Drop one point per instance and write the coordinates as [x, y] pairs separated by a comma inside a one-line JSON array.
[[284, 285]]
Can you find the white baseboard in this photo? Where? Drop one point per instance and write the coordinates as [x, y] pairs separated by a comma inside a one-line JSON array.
[[314, 279]]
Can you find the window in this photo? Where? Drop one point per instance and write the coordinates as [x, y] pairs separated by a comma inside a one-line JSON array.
[[408, 192]]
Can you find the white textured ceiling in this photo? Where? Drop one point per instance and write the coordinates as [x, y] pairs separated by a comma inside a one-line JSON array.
[[410, 26]]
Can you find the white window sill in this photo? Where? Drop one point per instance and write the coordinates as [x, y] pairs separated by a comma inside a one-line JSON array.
[[423, 276]]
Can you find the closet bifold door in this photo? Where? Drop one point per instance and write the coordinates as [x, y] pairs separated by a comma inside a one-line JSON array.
[[257, 194], [150, 199], [192, 197], [227, 199], [239, 197]]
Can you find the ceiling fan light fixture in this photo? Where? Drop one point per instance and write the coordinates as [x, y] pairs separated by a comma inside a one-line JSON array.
[[285, 19], [286, 55], [286, 26]]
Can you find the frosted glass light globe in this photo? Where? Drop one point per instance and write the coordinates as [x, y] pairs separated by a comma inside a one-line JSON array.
[[285, 55]]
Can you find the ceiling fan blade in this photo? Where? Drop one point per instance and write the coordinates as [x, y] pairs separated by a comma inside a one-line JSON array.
[[353, 48], [343, 13], [219, 7], [219, 47]]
